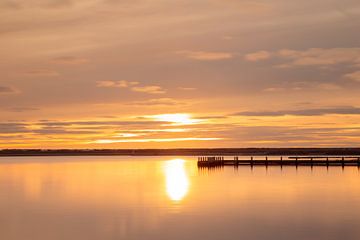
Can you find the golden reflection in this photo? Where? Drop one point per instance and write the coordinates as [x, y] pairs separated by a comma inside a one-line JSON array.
[[177, 181]]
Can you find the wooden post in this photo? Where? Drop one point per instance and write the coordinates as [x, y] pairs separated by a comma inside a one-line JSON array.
[[266, 159], [343, 161]]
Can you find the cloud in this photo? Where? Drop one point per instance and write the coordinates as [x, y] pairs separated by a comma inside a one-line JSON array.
[[69, 60], [149, 89], [329, 86], [311, 57], [42, 73], [59, 3], [291, 136], [21, 109], [158, 102], [205, 56], [187, 88], [302, 85], [13, 127], [98, 123], [146, 140], [26, 4], [116, 84], [314, 57], [258, 56], [8, 4], [76, 127], [274, 89], [8, 90], [212, 117], [60, 131], [133, 86], [302, 112], [355, 76], [321, 56]]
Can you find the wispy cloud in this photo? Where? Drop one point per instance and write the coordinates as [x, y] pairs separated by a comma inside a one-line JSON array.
[[355, 76], [146, 140], [187, 88], [69, 60], [205, 56], [132, 85], [158, 102], [258, 56], [8, 90], [329, 86], [59, 3], [149, 89], [21, 109], [302, 112], [62, 127], [321, 56], [116, 84], [9, 4], [42, 73], [13, 127], [21, 4], [311, 57], [274, 89]]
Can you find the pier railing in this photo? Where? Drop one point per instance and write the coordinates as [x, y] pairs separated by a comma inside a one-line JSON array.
[[215, 161]]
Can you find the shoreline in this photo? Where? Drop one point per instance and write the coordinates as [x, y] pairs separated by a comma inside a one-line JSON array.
[[180, 152]]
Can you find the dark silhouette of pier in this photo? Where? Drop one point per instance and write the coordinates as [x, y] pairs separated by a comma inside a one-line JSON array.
[[327, 161]]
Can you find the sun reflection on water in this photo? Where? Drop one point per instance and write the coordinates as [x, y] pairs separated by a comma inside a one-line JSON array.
[[177, 181]]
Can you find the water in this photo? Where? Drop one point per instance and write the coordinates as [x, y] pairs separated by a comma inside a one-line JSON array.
[[95, 198]]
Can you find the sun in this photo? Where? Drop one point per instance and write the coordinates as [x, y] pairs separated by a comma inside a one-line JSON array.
[[177, 118]]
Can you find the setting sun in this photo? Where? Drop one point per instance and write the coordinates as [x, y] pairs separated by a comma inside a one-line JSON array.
[[177, 118]]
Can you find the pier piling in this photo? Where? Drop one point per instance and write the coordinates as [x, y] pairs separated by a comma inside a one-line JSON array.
[[327, 161]]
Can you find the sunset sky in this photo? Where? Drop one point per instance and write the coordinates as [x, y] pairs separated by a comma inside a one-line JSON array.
[[164, 74]]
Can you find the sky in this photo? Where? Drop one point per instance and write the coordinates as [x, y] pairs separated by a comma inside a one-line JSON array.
[[181, 73]]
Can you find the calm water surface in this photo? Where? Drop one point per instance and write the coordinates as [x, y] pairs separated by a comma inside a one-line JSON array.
[[100, 198]]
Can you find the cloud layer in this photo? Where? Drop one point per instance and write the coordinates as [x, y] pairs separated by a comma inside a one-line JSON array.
[[303, 112], [133, 86]]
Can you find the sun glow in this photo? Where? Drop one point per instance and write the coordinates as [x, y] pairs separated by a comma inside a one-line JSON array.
[[177, 182], [156, 140], [176, 118]]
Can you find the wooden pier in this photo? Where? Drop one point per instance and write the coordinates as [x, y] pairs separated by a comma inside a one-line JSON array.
[[341, 161]]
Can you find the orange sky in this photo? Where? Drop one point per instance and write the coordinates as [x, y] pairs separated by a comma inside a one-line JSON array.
[[162, 74]]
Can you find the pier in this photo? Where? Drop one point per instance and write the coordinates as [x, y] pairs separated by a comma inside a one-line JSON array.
[[218, 161]]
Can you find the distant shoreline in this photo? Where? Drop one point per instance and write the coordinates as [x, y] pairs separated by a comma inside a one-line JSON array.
[[179, 152]]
